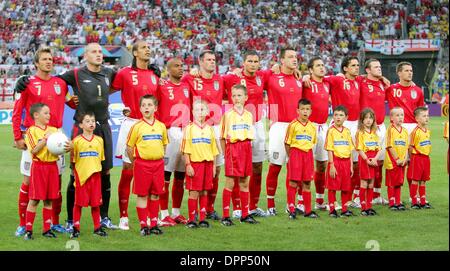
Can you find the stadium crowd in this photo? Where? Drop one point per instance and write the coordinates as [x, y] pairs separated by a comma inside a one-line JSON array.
[[183, 28]]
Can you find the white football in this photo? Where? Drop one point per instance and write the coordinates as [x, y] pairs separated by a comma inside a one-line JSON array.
[[56, 142]]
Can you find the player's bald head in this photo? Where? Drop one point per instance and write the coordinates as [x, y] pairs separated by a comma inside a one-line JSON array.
[[175, 68], [93, 54], [91, 47], [174, 61]]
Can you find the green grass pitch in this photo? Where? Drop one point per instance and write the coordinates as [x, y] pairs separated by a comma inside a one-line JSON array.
[[409, 230]]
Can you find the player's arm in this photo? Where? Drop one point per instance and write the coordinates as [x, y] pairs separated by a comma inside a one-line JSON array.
[[189, 169], [68, 77], [130, 153], [19, 106], [222, 144], [288, 140], [131, 143], [36, 148], [117, 83], [333, 172], [287, 147]]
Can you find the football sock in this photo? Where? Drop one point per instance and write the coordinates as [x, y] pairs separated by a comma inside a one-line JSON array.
[[319, 182], [226, 202], [291, 198], [235, 196], [124, 191], [331, 199], [203, 203], [307, 201], [422, 194], [46, 219], [255, 190], [244, 202], [212, 195], [413, 193], [23, 203], [30, 220], [56, 209], [95, 212], [370, 195], [164, 200], [192, 208], [142, 216], [398, 191], [177, 193], [76, 216], [300, 194], [153, 212], [362, 198], [377, 182], [391, 196], [271, 184]]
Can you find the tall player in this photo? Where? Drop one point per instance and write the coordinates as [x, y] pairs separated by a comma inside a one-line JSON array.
[[345, 91], [318, 92], [254, 80], [372, 95], [40, 88], [92, 84], [209, 87], [284, 91], [134, 81], [405, 94], [174, 112]]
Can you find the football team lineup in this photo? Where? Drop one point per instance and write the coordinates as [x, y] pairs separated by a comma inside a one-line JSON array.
[[176, 142]]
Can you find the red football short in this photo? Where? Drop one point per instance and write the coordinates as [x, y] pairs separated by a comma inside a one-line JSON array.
[[342, 181], [44, 181], [419, 168], [148, 177], [395, 176], [367, 172], [203, 176], [90, 193], [300, 166], [238, 159]]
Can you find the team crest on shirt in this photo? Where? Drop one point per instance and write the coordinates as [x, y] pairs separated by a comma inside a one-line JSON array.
[[153, 80], [356, 85], [381, 87], [276, 155], [216, 85], [326, 88], [258, 81], [186, 92], [107, 81], [413, 94], [299, 84], [57, 89]]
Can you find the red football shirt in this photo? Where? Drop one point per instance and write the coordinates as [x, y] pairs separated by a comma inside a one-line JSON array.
[[408, 98], [318, 94], [255, 88], [211, 90], [284, 92], [52, 92], [135, 83], [372, 94], [344, 92], [174, 104]]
